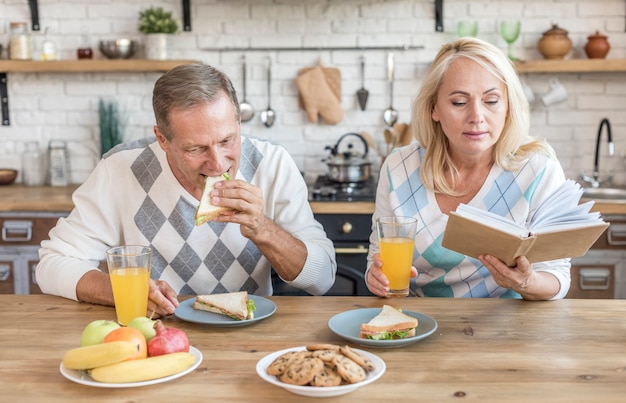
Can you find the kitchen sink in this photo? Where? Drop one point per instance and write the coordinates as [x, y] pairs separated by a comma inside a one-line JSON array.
[[605, 194]]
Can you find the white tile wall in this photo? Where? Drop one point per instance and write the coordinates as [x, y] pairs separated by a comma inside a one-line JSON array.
[[63, 106]]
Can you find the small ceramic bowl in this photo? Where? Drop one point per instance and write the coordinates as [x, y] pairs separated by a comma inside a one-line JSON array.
[[7, 176]]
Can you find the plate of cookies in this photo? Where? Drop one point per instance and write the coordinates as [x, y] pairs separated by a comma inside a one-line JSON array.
[[320, 370]]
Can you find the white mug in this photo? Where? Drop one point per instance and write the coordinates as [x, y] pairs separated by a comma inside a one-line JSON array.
[[556, 94]]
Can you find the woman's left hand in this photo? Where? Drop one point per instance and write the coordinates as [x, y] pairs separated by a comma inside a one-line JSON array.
[[517, 278]]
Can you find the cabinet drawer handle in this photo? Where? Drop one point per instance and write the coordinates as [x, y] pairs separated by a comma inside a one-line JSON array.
[[351, 251], [17, 231], [616, 235], [594, 279]]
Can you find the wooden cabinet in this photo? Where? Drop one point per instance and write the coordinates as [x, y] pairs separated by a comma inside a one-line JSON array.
[[592, 281], [21, 236], [601, 273]]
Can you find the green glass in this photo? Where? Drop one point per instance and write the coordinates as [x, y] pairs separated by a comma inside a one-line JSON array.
[[467, 28], [509, 31]]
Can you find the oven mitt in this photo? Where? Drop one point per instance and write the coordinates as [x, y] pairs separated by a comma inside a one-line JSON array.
[[319, 94]]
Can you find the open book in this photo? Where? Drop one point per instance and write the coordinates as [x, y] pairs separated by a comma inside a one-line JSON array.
[[560, 228]]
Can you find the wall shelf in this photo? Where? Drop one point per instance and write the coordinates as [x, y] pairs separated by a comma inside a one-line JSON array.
[[90, 65], [571, 66], [76, 66]]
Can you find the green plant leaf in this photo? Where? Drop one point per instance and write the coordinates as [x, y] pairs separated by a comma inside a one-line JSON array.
[[155, 20]]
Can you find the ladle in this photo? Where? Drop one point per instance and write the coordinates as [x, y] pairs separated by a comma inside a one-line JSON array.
[[390, 115], [268, 115], [246, 111]]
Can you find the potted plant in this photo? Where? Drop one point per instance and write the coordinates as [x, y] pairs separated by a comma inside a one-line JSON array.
[[157, 24]]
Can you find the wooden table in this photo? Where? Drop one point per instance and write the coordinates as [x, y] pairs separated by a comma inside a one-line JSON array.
[[483, 351]]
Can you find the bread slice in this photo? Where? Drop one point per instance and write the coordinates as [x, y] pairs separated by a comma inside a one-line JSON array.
[[207, 211], [389, 324], [233, 304]]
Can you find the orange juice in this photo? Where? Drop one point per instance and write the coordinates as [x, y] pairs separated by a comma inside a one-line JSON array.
[[130, 291], [397, 256]]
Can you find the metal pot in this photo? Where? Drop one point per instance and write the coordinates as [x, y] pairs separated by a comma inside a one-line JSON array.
[[346, 166]]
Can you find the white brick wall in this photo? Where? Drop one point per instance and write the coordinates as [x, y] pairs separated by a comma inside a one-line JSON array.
[[64, 106]]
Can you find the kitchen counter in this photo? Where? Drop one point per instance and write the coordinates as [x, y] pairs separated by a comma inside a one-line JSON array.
[[47, 198], [36, 198], [484, 350]]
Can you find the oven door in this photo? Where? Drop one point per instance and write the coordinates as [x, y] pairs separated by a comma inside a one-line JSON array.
[[349, 279]]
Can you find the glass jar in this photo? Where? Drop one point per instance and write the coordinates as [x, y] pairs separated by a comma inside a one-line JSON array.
[[84, 48], [20, 42], [33, 165]]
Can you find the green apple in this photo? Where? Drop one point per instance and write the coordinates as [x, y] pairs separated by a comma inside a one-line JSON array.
[[96, 331], [145, 325]]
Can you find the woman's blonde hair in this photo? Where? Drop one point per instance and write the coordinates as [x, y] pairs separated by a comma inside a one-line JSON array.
[[515, 144]]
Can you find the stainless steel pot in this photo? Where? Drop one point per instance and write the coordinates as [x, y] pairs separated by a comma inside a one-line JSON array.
[[346, 167]]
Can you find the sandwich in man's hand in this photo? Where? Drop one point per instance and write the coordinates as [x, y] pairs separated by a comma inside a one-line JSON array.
[[233, 304], [389, 324], [207, 211]]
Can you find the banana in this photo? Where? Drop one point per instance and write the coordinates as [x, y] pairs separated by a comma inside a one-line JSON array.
[[143, 369], [98, 355]]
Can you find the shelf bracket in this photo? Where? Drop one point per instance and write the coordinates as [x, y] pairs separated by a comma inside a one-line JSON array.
[[439, 15], [4, 99], [187, 15], [34, 14]]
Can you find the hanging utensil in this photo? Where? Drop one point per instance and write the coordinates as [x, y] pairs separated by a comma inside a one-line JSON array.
[[390, 115], [268, 116], [362, 94], [246, 111], [390, 139]]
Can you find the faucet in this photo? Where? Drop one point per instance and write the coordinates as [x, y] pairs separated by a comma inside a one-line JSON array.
[[595, 180]]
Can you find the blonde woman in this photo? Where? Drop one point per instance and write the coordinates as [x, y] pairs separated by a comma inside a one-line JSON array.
[[471, 122]]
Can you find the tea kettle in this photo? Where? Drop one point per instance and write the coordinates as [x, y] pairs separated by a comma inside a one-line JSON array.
[[347, 166]]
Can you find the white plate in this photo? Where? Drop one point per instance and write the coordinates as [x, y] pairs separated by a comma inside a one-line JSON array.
[[264, 308], [318, 391], [82, 377], [348, 325]]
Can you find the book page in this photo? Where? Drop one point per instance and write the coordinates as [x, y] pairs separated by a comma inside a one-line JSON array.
[[492, 220], [561, 209]]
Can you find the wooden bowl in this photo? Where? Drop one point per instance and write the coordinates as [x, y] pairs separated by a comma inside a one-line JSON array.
[[7, 176]]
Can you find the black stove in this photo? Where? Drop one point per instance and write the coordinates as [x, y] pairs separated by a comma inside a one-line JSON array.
[[325, 189]]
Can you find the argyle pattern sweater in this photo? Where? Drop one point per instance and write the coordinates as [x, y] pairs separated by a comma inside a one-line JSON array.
[[443, 272], [132, 197]]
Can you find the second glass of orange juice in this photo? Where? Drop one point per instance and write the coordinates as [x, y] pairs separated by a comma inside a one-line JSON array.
[[396, 239], [129, 269]]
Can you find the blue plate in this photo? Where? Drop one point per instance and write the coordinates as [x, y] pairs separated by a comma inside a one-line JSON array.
[[264, 309], [348, 325]]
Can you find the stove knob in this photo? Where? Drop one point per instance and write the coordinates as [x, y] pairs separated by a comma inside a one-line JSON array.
[[346, 228]]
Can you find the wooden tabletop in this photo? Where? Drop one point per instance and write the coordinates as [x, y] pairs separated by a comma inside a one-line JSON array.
[[484, 350]]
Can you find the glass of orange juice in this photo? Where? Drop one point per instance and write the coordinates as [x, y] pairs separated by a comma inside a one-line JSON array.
[[396, 239], [129, 269]]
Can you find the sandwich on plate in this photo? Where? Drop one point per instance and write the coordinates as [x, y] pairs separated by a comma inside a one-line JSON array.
[[233, 304], [389, 324], [207, 211]]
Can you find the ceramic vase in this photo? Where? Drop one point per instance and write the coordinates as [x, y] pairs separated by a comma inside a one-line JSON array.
[[597, 46], [555, 43], [157, 46]]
